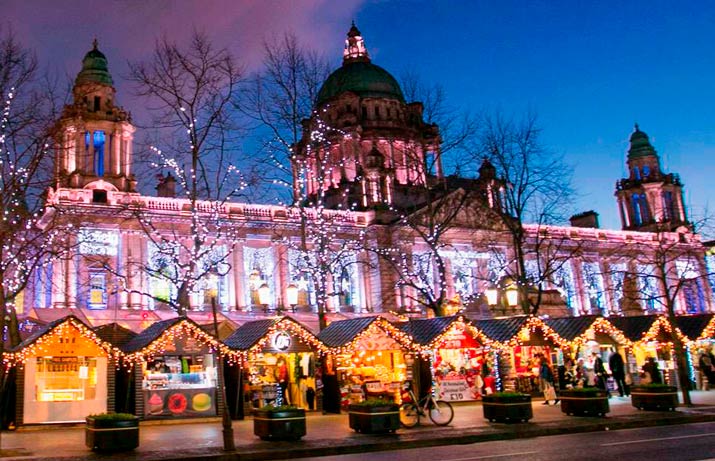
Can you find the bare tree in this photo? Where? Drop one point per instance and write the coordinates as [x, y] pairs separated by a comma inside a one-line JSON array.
[[458, 129], [27, 231], [190, 91], [329, 240], [537, 193], [279, 97], [672, 278]]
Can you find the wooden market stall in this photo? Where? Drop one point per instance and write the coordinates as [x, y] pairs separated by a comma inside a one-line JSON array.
[[523, 340], [280, 366], [367, 355], [459, 356], [589, 334], [175, 370], [700, 331], [651, 337], [65, 372]]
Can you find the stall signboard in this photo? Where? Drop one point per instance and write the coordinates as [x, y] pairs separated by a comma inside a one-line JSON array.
[[180, 402], [455, 387], [281, 341], [186, 346], [458, 339]]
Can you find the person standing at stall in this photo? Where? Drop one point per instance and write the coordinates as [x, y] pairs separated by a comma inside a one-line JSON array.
[[651, 367], [707, 370], [600, 372], [618, 371], [546, 378]]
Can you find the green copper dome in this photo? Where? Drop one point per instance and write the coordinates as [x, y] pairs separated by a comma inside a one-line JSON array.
[[640, 145], [94, 68], [363, 78]]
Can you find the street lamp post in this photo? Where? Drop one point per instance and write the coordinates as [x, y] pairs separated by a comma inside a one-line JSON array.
[[228, 443], [264, 296], [292, 296]]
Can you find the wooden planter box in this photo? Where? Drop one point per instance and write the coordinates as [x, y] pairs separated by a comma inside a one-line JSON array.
[[580, 403], [279, 425], [507, 409], [111, 435], [654, 398], [374, 419]]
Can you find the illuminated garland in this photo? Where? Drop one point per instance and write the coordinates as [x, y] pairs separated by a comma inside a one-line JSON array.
[[182, 329], [403, 339], [529, 328], [41, 346], [602, 325], [296, 329], [662, 322], [460, 324], [709, 331]]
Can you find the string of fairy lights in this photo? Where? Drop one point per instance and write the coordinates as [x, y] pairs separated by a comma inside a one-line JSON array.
[[46, 344]]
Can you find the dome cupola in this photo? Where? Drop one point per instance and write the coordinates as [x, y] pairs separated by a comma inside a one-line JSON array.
[[359, 75]]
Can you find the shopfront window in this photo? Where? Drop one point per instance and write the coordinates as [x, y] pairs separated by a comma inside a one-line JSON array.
[[60, 379], [180, 385]]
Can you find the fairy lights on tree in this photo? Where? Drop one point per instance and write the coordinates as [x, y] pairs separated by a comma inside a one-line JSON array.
[[192, 90], [328, 245]]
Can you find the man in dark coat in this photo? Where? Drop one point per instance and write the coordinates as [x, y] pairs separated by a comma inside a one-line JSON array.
[[618, 370], [600, 372]]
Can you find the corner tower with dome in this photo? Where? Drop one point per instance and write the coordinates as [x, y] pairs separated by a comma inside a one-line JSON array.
[[649, 199], [94, 142], [373, 148]]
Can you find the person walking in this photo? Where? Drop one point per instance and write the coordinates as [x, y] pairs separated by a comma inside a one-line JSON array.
[[600, 371], [707, 370], [618, 371], [651, 367], [546, 377]]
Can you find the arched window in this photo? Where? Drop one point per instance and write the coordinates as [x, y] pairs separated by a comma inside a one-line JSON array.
[[668, 209], [99, 139], [636, 173]]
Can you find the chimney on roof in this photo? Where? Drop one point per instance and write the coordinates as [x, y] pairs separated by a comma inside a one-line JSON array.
[[586, 219]]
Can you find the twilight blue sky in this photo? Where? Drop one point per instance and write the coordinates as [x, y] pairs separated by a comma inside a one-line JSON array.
[[588, 69]]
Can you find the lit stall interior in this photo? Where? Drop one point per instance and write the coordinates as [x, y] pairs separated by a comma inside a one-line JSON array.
[[282, 357], [461, 361], [64, 367], [372, 360], [175, 369]]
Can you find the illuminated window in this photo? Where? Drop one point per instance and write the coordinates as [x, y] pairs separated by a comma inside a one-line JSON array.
[[60, 379], [97, 290], [99, 153]]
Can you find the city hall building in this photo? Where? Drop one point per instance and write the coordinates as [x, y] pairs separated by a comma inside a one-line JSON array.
[[385, 162]]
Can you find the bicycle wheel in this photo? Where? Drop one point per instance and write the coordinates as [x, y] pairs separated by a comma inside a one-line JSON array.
[[441, 412], [409, 417]]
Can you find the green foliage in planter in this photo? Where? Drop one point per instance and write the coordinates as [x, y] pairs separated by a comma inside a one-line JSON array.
[[507, 397], [276, 409], [655, 387], [113, 417], [583, 391], [370, 403]]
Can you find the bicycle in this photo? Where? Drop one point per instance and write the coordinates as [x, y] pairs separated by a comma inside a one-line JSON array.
[[439, 411]]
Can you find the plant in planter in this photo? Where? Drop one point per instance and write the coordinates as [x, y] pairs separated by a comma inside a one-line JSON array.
[[374, 416], [285, 422], [507, 407], [112, 432], [654, 397], [587, 401]]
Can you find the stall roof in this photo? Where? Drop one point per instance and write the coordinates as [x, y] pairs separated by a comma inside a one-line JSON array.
[[37, 336], [251, 334], [692, 326], [154, 332], [501, 330], [424, 331], [634, 327], [571, 328], [115, 333], [342, 332]]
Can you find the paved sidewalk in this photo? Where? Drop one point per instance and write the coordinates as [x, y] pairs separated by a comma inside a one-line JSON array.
[[330, 434]]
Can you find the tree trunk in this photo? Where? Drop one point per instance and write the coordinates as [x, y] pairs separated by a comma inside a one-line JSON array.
[[682, 363]]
